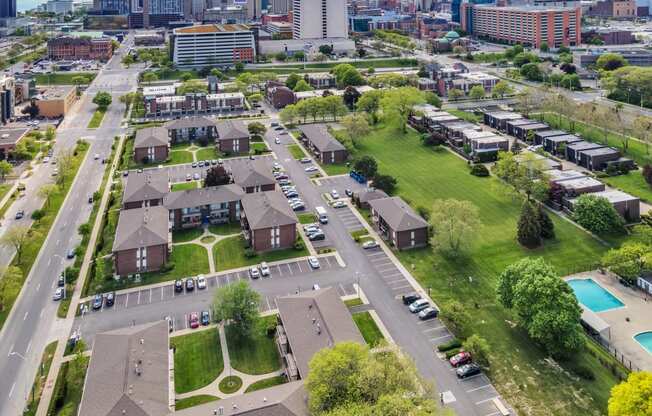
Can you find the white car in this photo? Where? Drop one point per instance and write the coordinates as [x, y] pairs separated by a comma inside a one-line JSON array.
[[97, 156], [201, 282], [264, 269], [311, 169], [339, 204], [335, 194], [196, 176], [254, 273], [46, 159], [369, 244], [58, 294], [277, 140], [188, 177], [314, 262]]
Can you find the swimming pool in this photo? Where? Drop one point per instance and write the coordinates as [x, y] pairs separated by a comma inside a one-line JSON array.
[[645, 339], [593, 296]]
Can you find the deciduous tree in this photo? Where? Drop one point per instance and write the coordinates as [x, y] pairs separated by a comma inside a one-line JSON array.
[[217, 175], [454, 222], [46, 191], [629, 260], [397, 104], [16, 237], [632, 397], [370, 103], [366, 165], [356, 126], [479, 349], [596, 214], [502, 88], [5, 169], [301, 86], [238, 303], [477, 92], [102, 99], [385, 182]]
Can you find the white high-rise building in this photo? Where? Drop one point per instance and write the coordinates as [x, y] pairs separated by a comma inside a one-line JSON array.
[[319, 19], [280, 6]]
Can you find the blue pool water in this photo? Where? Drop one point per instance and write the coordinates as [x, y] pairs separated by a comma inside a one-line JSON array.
[[594, 296], [645, 339]]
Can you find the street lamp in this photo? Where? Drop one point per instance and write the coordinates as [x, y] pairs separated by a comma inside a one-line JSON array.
[[64, 275]]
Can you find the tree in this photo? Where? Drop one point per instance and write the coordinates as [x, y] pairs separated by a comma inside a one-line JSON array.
[[257, 128], [102, 99], [238, 303], [299, 56], [544, 47], [433, 99], [326, 49], [397, 104], [16, 237], [523, 175], [46, 191], [632, 397], [477, 92], [528, 101], [456, 317], [350, 97], [453, 222], [150, 77], [350, 77], [629, 260], [531, 72], [545, 223], [642, 127], [596, 214], [571, 82], [545, 305], [332, 105], [369, 102], [32, 109], [479, 349], [239, 67], [288, 115], [5, 169], [50, 133], [292, 80], [524, 58], [610, 61], [528, 231], [455, 94], [366, 165], [301, 86], [65, 160], [217, 73], [502, 88], [80, 80], [356, 126], [646, 172], [215, 176], [385, 182]]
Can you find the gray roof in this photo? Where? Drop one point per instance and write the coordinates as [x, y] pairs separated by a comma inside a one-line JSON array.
[[145, 186], [314, 320], [319, 136], [267, 209], [600, 151], [248, 173], [232, 129], [555, 175], [370, 194], [189, 122], [12, 136], [202, 196], [141, 227], [570, 138], [583, 145], [113, 387], [289, 399], [504, 115], [398, 214], [151, 137], [534, 126], [520, 122], [551, 133]]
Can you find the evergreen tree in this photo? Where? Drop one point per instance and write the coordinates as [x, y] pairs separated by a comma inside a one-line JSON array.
[[546, 224], [529, 229]]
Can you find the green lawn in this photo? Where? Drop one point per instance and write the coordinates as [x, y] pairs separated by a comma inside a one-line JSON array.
[[423, 176], [197, 360], [296, 151], [259, 147], [182, 186], [194, 401], [307, 218], [207, 153], [183, 236], [230, 384], [225, 229], [96, 120], [230, 254], [256, 353], [332, 169], [266, 383], [353, 302], [61, 78], [368, 328], [635, 150], [465, 115], [68, 388], [632, 183], [39, 380], [4, 188], [178, 157]]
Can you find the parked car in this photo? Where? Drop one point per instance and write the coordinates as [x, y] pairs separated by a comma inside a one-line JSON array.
[[20, 214], [90, 199], [291, 194], [254, 273], [348, 192], [468, 370], [109, 299], [188, 177], [281, 176], [61, 281], [298, 207], [310, 169], [178, 286], [314, 262], [264, 269], [428, 313], [277, 166], [311, 228], [339, 204], [194, 164], [58, 294], [277, 140], [97, 156], [190, 284], [418, 305], [410, 298], [317, 236], [205, 318], [200, 164], [305, 160], [170, 323], [370, 244], [201, 282], [459, 359], [71, 253], [193, 320], [97, 302], [335, 194], [196, 176]]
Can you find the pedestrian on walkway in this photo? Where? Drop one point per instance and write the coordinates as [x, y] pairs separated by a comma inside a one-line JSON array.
[[441, 398]]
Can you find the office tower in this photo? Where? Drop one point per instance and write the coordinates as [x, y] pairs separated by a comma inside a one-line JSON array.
[[280, 6], [222, 45], [7, 8], [112, 6], [254, 8], [319, 19]]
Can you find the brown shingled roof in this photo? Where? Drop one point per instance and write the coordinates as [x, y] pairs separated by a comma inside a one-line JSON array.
[[267, 209], [145, 186], [398, 214], [141, 227]]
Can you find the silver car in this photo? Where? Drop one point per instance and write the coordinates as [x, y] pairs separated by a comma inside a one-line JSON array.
[[314, 262]]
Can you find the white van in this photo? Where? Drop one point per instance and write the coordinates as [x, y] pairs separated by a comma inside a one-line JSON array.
[[322, 215]]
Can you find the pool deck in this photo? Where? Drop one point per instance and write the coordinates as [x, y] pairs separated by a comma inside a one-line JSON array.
[[637, 308]]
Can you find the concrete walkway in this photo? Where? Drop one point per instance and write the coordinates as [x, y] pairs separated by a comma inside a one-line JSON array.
[[208, 246], [213, 388]]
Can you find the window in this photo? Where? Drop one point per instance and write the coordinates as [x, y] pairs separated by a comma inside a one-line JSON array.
[[141, 259], [275, 234]]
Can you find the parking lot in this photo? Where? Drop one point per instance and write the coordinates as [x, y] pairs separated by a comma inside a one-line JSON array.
[[178, 173], [340, 183], [350, 221]]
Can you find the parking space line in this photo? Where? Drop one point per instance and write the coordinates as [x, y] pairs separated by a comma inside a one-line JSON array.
[[150, 295], [328, 260], [486, 400], [138, 301], [289, 268], [403, 281], [479, 388], [126, 300], [280, 271], [433, 329], [267, 300], [392, 275], [299, 266], [396, 279], [441, 337], [163, 290], [342, 288], [401, 287]]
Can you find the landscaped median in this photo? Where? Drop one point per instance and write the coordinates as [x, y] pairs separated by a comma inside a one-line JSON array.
[[96, 120], [39, 381], [20, 267], [69, 386], [368, 328]]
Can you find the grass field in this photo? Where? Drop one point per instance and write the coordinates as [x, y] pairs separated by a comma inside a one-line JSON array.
[[255, 353], [61, 78], [307, 218], [197, 360], [266, 383], [465, 115], [230, 254], [178, 157], [520, 370], [296, 151], [96, 120], [332, 169], [632, 183], [225, 229], [353, 302], [194, 401], [230, 384], [182, 186], [39, 381], [182, 236], [207, 153], [4, 188], [368, 328]]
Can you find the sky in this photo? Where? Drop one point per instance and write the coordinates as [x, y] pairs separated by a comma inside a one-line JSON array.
[[23, 5]]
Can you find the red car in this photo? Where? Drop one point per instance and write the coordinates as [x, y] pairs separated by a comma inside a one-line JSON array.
[[460, 359], [193, 320]]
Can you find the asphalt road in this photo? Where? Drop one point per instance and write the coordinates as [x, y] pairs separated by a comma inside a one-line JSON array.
[[33, 319]]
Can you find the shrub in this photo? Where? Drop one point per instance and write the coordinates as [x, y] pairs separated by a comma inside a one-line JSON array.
[[479, 349], [271, 329], [612, 170], [447, 346], [583, 372], [452, 352], [169, 266], [250, 253], [298, 244], [38, 214], [479, 170], [424, 212]]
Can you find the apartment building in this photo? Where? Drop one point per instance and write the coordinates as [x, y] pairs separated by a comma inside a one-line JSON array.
[[193, 104], [212, 45], [528, 25], [319, 19], [73, 48]]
